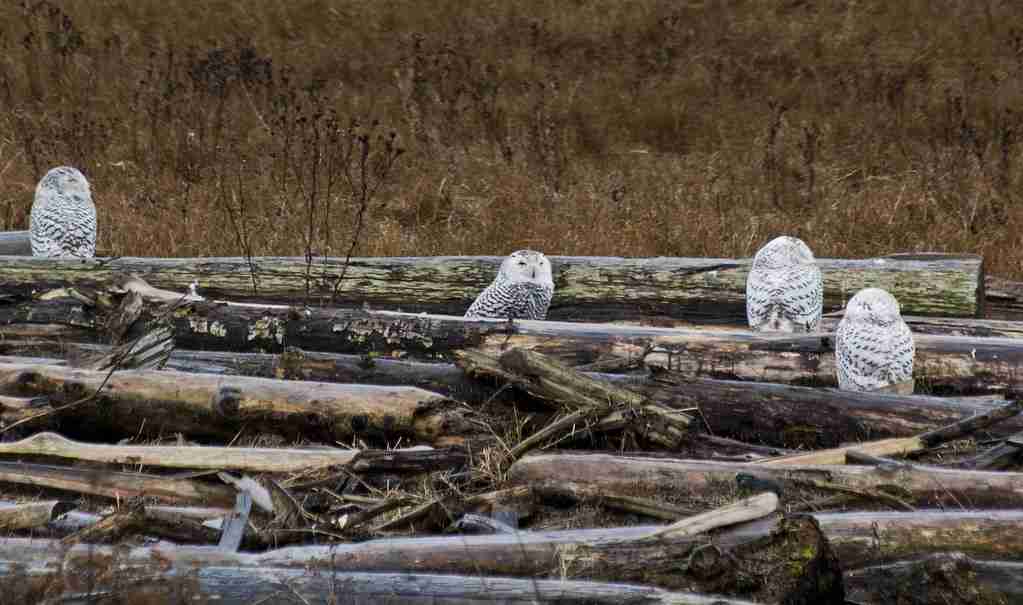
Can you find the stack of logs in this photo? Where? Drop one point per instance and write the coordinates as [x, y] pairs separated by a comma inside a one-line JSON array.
[[257, 436]]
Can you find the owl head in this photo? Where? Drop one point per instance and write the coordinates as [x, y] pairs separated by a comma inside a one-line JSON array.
[[874, 306], [66, 180], [781, 252], [527, 266]]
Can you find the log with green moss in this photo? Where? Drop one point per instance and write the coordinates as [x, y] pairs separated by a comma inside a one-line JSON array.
[[586, 288]]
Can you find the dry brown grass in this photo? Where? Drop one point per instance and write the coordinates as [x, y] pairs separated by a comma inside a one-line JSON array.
[[576, 127]]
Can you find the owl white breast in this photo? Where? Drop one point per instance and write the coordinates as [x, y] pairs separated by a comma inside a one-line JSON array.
[[63, 218], [522, 289], [784, 289], [873, 346]]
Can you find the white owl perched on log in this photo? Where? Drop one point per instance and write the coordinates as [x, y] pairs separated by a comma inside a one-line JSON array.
[[63, 218], [874, 347], [522, 289], [784, 289]]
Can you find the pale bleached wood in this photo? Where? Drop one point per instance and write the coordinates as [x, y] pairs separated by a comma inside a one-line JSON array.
[[206, 405], [592, 288], [116, 485], [747, 509], [255, 459]]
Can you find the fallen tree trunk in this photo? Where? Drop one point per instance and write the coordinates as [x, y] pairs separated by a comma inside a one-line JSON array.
[[15, 243], [942, 579], [113, 484], [31, 515], [208, 406], [950, 363], [628, 555], [236, 585], [1004, 298], [253, 459], [858, 539], [776, 414], [588, 288], [680, 481]]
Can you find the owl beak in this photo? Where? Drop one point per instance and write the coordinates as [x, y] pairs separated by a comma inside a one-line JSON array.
[[534, 272]]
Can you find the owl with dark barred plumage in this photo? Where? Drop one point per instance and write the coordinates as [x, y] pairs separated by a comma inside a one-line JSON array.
[[522, 289], [784, 289], [62, 223], [874, 347]]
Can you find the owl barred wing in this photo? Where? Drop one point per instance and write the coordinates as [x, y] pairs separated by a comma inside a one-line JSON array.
[[902, 350], [793, 294], [62, 222], [871, 357], [504, 300]]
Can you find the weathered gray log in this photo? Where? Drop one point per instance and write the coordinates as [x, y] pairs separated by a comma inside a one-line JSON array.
[[862, 539], [961, 364], [208, 406], [591, 288], [236, 585], [113, 484], [859, 540], [31, 515], [687, 481], [938, 579], [559, 554], [15, 243], [1004, 298], [254, 459], [781, 415]]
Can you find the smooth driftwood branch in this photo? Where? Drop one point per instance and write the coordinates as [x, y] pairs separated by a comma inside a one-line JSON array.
[[937, 580], [586, 288], [206, 405], [943, 362], [254, 459], [113, 484], [687, 482]]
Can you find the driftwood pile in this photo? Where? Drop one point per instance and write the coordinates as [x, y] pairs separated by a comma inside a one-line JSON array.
[[226, 430]]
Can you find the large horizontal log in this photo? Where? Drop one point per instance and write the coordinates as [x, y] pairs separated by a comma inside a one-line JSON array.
[[209, 406], [859, 540], [1004, 298], [629, 556], [236, 585], [949, 363], [15, 243], [586, 288], [937, 580], [253, 459], [687, 481]]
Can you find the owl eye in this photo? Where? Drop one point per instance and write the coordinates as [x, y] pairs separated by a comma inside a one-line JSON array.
[[522, 263]]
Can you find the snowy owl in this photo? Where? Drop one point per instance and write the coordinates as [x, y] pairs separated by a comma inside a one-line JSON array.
[[522, 289], [873, 346], [63, 218], [784, 290]]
